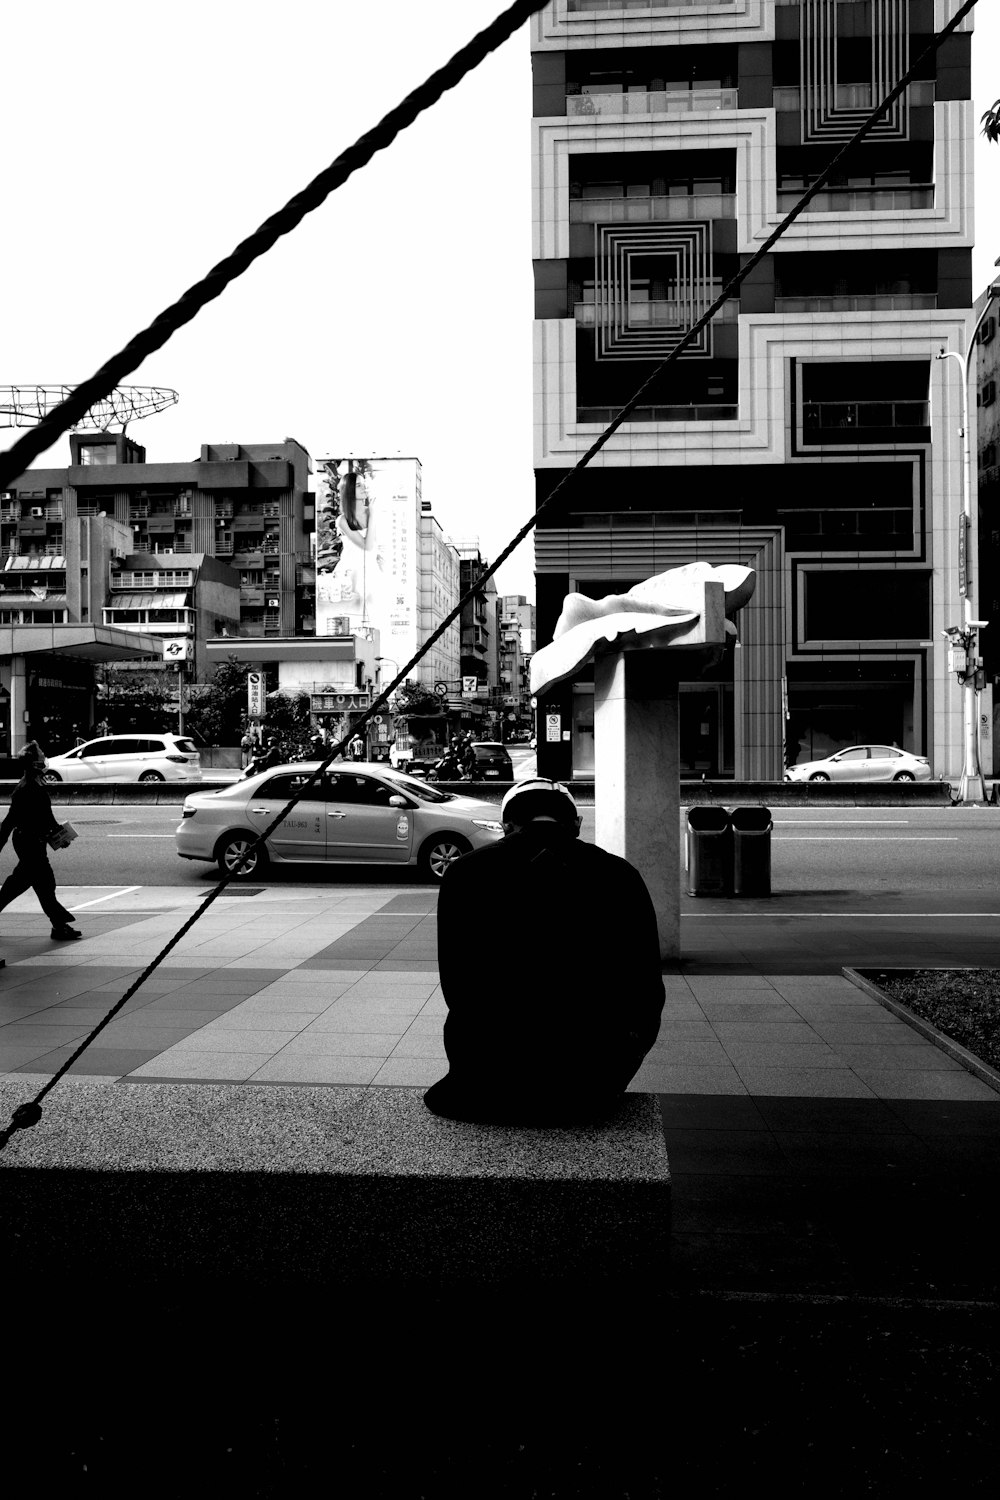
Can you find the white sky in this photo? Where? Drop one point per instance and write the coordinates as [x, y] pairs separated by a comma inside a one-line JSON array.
[[143, 141]]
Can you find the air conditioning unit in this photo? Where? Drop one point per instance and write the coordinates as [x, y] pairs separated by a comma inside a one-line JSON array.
[[274, 603], [37, 511]]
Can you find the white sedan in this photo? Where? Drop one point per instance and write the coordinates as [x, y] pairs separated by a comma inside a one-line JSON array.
[[863, 763], [364, 813]]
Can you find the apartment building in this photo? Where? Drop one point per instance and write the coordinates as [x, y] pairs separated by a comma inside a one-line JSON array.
[[810, 432]]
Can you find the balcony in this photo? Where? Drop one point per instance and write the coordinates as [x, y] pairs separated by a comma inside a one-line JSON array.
[[858, 200], [704, 412], [651, 102], [854, 95], [855, 422], [658, 314], [873, 302], [652, 210]]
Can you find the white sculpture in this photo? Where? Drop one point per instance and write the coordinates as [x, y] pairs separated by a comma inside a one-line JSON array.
[[661, 610]]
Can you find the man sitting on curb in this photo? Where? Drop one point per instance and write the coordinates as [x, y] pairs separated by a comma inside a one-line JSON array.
[[554, 1031]]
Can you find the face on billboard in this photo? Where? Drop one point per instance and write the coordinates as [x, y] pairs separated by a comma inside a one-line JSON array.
[[373, 581]]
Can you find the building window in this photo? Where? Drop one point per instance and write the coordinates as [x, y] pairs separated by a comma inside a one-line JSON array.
[[988, 394], [94, 454], [883, 604]]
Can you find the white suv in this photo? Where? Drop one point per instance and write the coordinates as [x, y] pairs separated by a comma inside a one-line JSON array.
[[129, 757]]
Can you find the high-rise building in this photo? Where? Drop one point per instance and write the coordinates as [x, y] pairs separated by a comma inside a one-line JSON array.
[[383, 563], [517, 606], [809, 432], [479, 657]]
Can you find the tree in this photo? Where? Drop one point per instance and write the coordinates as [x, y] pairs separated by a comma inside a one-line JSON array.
[[217, 711], [413, 701], [288, 715], [131, 701], [990, 122]]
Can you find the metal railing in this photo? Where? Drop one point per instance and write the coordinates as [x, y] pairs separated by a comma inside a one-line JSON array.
[[858, 302], [839, 416], [852, 95], [856, 200], [652, 101], [705, 412], [672, 314], [652, 209], [616, 5]]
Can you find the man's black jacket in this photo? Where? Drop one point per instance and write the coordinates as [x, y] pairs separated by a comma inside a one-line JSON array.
[[550, 967]]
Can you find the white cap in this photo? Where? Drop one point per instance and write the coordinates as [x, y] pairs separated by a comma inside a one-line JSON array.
[[539, 798]]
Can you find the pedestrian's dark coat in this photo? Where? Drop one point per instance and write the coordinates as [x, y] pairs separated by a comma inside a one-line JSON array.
[[552, 1023], [29, 823]]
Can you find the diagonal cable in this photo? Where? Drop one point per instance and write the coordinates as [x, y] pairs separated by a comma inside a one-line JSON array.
[[17, 458], [26, 1115]]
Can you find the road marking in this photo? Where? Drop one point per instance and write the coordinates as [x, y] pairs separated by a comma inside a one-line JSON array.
[[125, 890], [138, 835], [876, 916], [842, 822], [876, 838]]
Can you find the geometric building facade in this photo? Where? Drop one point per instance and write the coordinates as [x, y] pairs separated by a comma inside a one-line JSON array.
[[810, 432]]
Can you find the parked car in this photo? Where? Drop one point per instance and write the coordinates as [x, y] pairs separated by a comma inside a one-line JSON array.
[[129, 757], [863, 763], [358, 814]]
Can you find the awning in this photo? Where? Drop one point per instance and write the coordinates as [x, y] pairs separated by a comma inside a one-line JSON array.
[[147, 601], [92, 642], [17, 564]]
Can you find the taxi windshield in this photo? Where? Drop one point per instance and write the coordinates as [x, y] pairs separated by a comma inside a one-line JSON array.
[[415, 788]]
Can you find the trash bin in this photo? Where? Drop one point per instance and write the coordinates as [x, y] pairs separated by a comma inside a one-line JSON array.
[[751, 851], [709, 852]]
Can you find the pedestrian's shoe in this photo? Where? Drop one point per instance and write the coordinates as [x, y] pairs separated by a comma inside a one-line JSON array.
[[65, 932]]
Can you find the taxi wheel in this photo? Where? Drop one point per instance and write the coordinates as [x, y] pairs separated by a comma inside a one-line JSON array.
[[819, 776], [904, 776], [151, 776], [440, 852], [51, 777], [231, 851]]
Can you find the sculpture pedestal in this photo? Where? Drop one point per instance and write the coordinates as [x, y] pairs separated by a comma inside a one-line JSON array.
[[637, 776], [640, 655]]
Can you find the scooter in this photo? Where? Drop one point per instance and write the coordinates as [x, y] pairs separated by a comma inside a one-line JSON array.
[[448, 768]]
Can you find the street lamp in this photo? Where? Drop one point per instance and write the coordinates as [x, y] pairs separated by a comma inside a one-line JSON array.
[[968, 636]]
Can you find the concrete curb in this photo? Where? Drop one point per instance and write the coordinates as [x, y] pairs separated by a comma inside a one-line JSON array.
[[693, 793], [954, 1050]]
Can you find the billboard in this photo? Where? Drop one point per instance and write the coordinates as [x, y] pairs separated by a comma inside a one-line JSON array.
[[367, 550]]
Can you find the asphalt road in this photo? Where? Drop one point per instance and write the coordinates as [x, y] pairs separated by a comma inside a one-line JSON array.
[[877, 859]]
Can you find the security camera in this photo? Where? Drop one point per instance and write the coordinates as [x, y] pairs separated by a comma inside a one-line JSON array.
[[951, 632], [978, 624]]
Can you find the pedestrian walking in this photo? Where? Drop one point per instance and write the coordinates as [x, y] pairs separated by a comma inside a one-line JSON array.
[[357, 748], [32, 825], [590, 989]]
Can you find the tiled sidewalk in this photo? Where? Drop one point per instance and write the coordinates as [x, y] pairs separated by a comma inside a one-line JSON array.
[[296, 985]]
